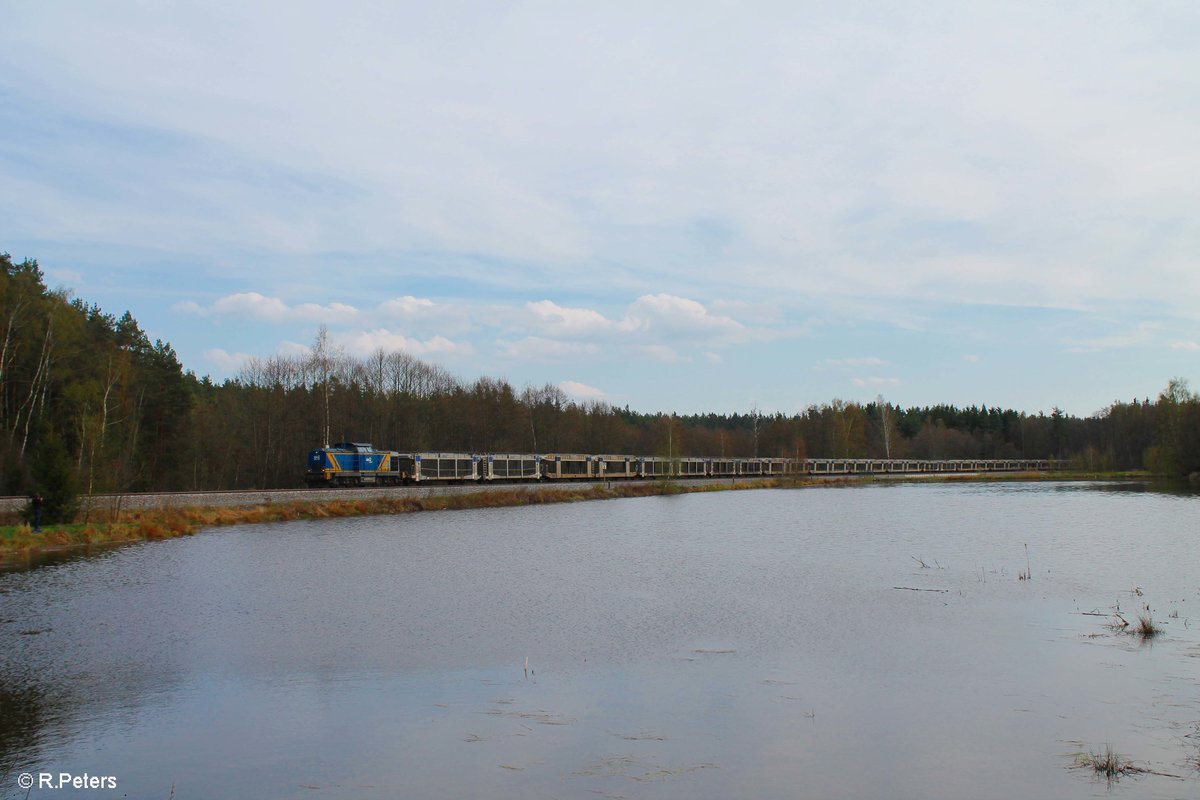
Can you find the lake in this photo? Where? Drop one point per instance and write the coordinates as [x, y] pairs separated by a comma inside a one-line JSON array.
[[874, 641]]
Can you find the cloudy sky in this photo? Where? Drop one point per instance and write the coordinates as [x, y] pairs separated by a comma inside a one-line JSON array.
[[675, 206]]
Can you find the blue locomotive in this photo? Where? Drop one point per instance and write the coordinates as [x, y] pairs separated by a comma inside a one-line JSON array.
[[353, 464]]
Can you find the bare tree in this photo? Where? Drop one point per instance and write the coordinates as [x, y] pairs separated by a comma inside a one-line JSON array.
[[323, 360], [885, 425]]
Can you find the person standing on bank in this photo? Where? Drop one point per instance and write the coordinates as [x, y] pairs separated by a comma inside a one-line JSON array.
[[36, 503]]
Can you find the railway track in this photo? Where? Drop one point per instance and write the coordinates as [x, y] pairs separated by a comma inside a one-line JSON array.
[[254, 497]]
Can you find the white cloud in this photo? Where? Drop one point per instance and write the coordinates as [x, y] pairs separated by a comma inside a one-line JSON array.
[[654, 327], [334, 313], [271, 309], [937, 160], [1185, 345], [971, 358], [868, 361], [406, 305], [538, 348], [565, 321], [876, 381], [714, 358], [581, 391], [1140, 334], [229, 363], [658, 352], [657, 325], [364, 343], [251, 304], [985, 153], [294, 349], [677, 315]]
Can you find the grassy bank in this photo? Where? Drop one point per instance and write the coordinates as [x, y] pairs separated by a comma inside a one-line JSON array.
[[18, 543], [986, 477]]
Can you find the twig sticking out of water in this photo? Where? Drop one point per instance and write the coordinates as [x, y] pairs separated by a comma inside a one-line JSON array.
[[919, 561], [1113, 766], [1027, 575]]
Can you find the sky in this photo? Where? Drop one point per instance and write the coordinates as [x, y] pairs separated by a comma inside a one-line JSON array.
[[690, 207]]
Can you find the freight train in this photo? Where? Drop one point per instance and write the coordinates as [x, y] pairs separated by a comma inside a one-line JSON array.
[[360, 464]]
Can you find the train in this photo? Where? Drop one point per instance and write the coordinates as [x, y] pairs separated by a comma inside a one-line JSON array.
[[360, 464]]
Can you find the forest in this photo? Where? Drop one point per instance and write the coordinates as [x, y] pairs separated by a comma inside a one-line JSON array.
[[89, 404]]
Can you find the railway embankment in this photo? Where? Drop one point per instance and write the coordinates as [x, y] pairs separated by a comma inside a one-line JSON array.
[[105, 520], [118, 519]]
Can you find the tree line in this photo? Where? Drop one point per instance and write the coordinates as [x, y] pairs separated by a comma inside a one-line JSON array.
[[89, 404]]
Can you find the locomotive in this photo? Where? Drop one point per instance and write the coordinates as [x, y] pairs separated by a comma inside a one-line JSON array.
[[360, 464]]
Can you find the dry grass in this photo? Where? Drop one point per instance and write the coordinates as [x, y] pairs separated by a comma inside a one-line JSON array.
[[1110, 764], [18, 543], [1145, 627], [1113, 766]]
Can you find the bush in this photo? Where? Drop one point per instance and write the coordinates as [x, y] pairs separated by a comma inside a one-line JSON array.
[[54, 479]]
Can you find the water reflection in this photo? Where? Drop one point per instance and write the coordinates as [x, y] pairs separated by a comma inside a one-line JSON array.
[[735, 644]]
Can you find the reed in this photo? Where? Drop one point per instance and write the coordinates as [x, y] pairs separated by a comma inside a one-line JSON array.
[[1109, 763], [1146, 627]]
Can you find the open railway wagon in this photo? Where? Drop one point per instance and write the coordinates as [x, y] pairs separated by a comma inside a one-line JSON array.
[[615, 467], [722, 467], [655, 467], [780, 467], [658, 467], [567, 466], [511, 467], [439, 467]]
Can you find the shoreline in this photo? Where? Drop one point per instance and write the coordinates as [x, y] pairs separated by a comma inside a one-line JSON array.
[[19, 546]]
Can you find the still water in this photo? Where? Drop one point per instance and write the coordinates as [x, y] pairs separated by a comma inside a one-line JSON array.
[[738, 644]]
